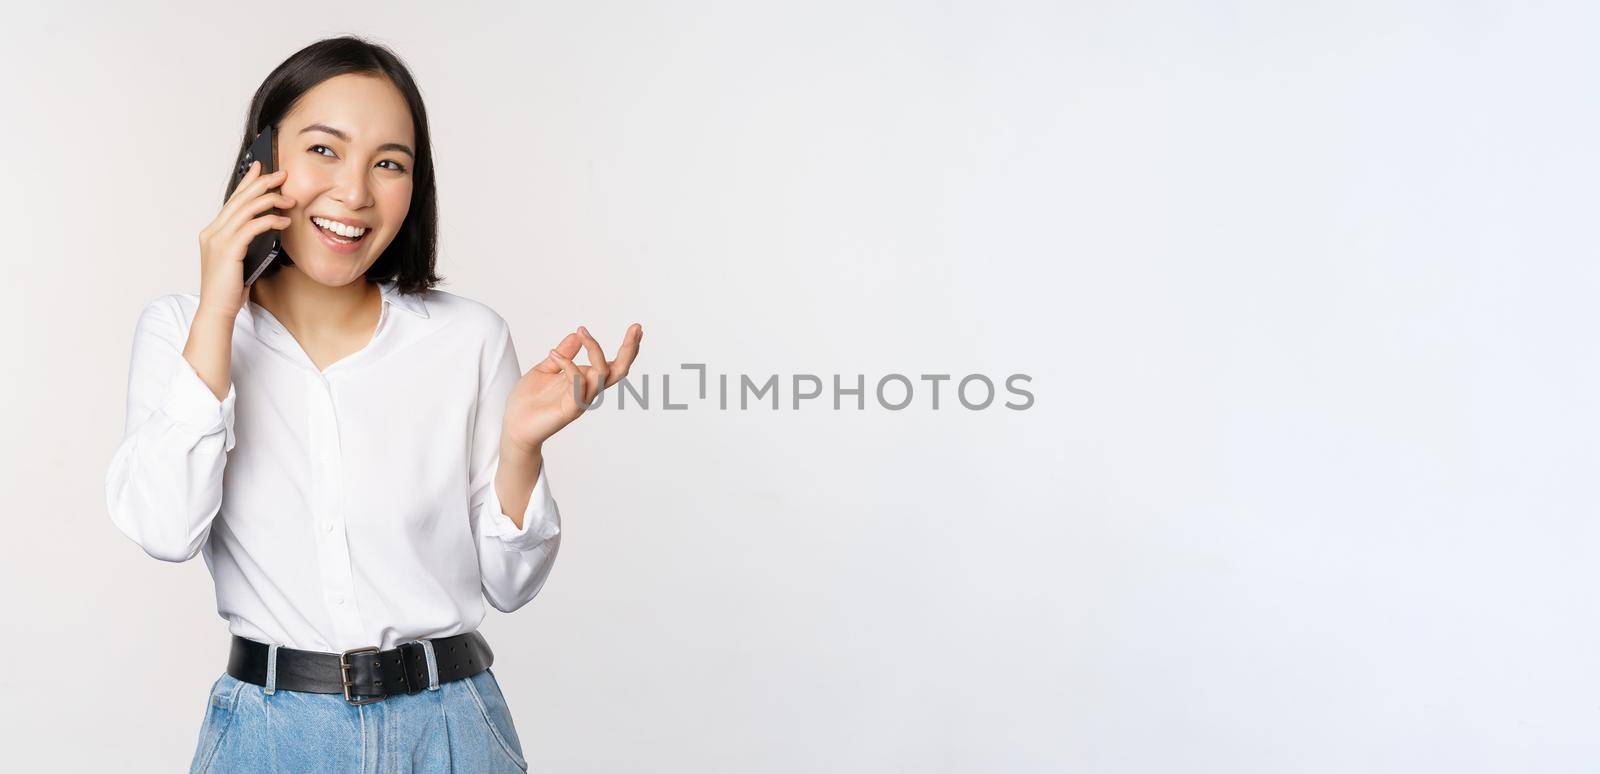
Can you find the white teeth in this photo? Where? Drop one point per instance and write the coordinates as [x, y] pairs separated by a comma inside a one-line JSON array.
[[341, 229]]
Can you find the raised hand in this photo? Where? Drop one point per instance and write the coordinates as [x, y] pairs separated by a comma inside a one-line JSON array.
[[543, 401], [223, 241]]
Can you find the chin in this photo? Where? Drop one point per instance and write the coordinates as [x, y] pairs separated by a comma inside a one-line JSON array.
[[327, 267], [333, 277], [334, 272]]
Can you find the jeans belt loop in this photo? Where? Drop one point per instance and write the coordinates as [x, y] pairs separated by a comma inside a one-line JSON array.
[[433, 665], [272, 669]]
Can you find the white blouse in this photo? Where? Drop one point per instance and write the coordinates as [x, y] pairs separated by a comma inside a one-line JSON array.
[[340, 508]]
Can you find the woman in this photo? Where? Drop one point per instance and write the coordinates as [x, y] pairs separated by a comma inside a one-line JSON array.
[[357, 457]]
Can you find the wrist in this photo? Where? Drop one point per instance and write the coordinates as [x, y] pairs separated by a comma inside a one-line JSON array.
[[211, 315], [512, 448]]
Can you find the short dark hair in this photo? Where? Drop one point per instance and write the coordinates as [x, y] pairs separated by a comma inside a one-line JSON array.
[[409, 259]]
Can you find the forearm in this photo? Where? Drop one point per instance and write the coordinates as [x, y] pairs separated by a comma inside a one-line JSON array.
[[210, 350], [513, 483]]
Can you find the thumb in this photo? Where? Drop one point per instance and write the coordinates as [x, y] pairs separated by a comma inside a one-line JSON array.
[[568, 347]]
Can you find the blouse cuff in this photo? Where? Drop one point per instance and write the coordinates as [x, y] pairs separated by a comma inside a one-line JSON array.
[[540, 522], [191, 404]]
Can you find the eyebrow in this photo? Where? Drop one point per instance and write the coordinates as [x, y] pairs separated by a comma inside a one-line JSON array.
[[395, 146]]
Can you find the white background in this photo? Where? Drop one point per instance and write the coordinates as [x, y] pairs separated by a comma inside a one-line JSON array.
[[1307, 294]]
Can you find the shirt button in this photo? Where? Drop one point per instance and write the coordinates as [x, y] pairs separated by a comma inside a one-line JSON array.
[[328, 527], [338, 601]]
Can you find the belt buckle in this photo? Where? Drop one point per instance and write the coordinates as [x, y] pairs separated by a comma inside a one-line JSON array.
[[344, 675]]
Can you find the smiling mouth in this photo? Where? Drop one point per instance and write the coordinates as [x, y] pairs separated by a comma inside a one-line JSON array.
[[339, 238]]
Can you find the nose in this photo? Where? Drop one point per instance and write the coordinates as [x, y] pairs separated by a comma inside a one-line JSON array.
[[351, 188]]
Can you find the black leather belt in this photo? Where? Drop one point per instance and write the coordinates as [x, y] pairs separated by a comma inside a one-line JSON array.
[[363, 675]]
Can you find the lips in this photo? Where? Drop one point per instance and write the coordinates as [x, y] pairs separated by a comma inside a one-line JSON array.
[[338, 243]]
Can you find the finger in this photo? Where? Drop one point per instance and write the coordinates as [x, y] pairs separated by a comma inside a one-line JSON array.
[[250, 173], [256, 181], [595, 373], [625, 354], [568, 347], [261, 204], [246, 193], [264, 223], [243, 197], [597, 356], [572, 371]]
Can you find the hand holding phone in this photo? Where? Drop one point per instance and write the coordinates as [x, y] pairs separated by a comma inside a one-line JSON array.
[[248, 215], [264, 247]]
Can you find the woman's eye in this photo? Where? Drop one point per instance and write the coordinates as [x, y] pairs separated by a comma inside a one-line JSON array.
[[315, 149]]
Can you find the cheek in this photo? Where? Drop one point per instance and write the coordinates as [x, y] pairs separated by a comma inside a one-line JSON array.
[[302, 184], [395, 203]]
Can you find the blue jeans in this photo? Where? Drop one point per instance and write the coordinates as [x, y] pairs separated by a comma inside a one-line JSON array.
[[462, 725]]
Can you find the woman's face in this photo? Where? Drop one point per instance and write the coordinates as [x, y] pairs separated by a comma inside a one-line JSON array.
[[347, 149]]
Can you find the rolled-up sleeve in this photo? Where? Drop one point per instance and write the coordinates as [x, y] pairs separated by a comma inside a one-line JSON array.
[[514, 562], [164, 484]]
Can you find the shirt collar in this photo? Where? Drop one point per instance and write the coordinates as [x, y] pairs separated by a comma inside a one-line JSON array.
[[412, 303]]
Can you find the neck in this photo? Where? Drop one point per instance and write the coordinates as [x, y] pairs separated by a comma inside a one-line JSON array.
[[304, 304]]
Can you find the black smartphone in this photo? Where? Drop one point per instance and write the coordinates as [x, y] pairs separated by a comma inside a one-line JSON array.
[[264, 248]]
